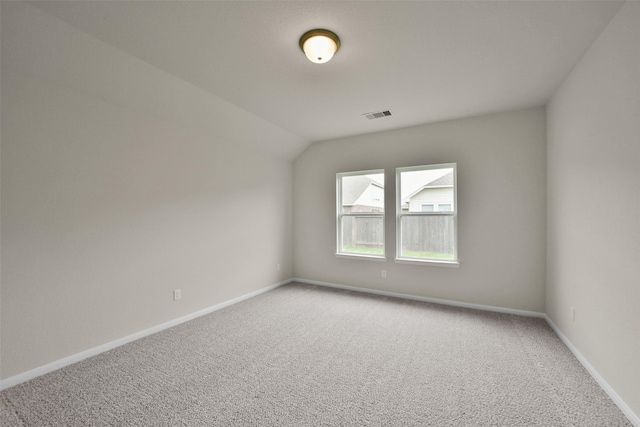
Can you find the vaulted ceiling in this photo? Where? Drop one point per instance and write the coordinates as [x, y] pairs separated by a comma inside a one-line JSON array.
[[425, 61]]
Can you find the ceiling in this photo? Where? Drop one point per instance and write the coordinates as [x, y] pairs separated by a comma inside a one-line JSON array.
[[425, 61]]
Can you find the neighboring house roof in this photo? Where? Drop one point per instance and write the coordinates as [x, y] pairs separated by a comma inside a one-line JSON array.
[[443, 181], [356, 187]]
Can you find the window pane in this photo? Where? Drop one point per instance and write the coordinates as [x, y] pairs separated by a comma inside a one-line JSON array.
[[426, 187], [427, 208], [363, 235], [362, 193], [427, 236], [444, 207]]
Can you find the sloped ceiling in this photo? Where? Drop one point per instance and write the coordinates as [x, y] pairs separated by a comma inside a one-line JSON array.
[[424, 61]]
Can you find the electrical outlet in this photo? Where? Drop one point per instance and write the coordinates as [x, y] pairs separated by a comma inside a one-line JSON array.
[[573, 314], [384, 273], [177, 294], [278, 267]]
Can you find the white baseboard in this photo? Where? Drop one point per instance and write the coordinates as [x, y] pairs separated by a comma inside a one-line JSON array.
[[426, 299], [61, 363], [53, 366], [633, 418]]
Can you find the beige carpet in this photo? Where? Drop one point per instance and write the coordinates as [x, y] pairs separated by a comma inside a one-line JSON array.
[[309, 356]]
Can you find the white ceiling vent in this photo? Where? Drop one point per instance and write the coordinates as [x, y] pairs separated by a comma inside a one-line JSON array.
[[377, 115]]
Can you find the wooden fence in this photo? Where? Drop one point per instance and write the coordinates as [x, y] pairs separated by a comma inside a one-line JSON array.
[[427, 234], [362, 232], [420, 234]]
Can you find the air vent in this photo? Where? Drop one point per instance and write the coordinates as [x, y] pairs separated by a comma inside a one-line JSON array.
[[378, 115]]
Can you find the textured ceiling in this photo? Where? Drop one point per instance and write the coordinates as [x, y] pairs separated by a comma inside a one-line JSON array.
[[425, 61]]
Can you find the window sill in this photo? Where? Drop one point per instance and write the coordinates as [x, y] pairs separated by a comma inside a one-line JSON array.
[[430, 262], [363, 257]]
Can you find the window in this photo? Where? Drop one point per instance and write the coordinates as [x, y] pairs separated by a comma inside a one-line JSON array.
[[360, 213], [427, 214]]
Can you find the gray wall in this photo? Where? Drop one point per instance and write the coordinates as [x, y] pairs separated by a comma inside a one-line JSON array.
[[121, 183], [501, 200], [594, 205]]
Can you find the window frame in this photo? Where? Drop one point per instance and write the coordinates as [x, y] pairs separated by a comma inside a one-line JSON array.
[[340, 215], [455, 262]]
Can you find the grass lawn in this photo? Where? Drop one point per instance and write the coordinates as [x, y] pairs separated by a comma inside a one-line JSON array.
[[363, 250], [425, 254], [406, 253]]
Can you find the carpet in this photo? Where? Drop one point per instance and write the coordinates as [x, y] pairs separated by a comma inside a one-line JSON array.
[[303, 355]]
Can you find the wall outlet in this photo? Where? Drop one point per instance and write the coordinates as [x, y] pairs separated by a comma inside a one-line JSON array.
[[278, 267], [573, 314], [177, 294], [384, 273]]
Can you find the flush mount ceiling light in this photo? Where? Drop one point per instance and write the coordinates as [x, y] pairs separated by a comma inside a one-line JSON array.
[[319, 45]]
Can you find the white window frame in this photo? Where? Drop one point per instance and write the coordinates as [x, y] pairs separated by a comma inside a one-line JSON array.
[[400, 214], [339, 215]]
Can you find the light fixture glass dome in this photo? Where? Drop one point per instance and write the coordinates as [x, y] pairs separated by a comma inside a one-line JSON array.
[[319, 45]]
